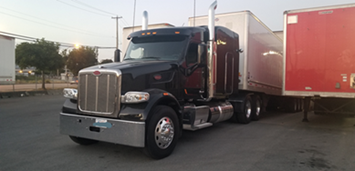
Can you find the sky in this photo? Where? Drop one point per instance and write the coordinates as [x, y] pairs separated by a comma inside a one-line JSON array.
[[90, 23]]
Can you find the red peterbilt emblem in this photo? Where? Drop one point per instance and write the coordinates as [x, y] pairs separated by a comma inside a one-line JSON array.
[[157, 77], [96, 73]]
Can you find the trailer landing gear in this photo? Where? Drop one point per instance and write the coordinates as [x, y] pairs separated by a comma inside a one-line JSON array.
[[306, 105]]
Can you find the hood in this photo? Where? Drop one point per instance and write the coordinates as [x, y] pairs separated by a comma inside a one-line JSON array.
[[136, 68], [139, 75]]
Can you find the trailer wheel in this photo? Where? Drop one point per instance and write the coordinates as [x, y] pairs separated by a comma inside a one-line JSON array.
[[244, 114], [162, 132], [83, 141], [255, 108]]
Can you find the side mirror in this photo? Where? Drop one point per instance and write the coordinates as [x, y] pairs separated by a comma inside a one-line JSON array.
[[202, 51], [117, 57]]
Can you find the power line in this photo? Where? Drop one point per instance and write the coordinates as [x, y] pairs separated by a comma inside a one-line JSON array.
[[125, 21], [76, 1], [69, 28], [83, 9], [79, 2], [58, 27], [63, 44], [89, 6]]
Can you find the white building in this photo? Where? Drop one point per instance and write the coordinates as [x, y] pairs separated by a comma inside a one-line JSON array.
[[7, 60]]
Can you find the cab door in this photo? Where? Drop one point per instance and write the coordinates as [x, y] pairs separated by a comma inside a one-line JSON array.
[[194, 85]]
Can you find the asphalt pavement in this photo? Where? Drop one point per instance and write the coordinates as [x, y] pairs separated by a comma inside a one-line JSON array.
[[30, 140]]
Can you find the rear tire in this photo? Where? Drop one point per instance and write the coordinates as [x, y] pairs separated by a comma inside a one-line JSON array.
[[244, 113], [83, 141], [256, 108], [162, 132]]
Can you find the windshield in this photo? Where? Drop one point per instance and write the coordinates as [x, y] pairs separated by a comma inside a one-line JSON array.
[[169, 47]]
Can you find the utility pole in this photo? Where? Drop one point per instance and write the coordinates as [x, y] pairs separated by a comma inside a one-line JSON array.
[[134, 14], [194, 11], [116, 29]]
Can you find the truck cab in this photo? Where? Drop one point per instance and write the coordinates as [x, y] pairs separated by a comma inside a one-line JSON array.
[[181, 58], [170, 79]]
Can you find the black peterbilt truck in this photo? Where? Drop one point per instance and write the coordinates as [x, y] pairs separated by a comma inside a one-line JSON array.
[[169, 80]]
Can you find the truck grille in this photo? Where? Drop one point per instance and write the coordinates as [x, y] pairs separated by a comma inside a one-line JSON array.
[[99, 92]]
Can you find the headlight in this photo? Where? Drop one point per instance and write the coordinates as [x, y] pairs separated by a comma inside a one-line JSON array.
[[135, 97], [70, 93]]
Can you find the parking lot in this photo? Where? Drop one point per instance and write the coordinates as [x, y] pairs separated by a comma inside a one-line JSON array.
[[30, 140]]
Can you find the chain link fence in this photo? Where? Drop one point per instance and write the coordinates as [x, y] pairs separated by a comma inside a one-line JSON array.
[[34, 83]]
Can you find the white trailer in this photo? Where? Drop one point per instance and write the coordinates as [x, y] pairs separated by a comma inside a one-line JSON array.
[[7, 60], [128, 30], [260, 64]]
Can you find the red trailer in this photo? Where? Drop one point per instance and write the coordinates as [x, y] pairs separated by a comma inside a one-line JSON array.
[[319, 57]]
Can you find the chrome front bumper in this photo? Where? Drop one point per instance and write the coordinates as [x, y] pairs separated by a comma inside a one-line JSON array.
[[103, 129]]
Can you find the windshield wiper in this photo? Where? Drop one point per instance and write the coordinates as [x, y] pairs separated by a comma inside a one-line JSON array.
[[151, 57], [129, 59]]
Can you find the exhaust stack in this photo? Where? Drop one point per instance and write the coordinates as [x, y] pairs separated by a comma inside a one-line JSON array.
[[212, 61], [211, 18], [145, 20]]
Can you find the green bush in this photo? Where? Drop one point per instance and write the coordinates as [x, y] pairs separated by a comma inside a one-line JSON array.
[[31, 79], [25, 78]]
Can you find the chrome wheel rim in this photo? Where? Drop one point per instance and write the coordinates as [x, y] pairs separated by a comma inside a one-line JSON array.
[[248, 109], [258, 108], [164, 133]]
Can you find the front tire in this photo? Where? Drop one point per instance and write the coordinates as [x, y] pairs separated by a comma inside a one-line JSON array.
[[83, 141], [162, 132]]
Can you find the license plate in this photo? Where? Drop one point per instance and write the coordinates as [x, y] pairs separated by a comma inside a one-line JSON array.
[[102, 123]]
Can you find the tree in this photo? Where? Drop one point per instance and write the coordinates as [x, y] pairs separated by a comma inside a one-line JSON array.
[[81, 58], [104, 61], [41, 54]]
